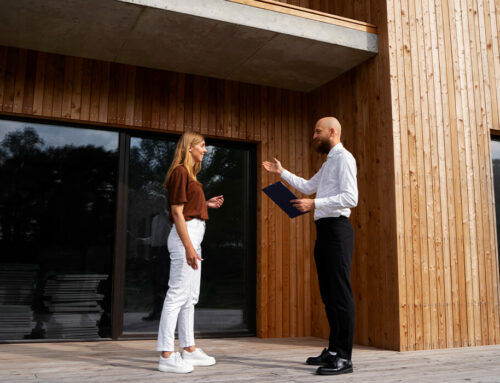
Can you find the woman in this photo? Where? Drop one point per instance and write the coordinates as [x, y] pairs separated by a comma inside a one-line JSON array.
[[188, 209]]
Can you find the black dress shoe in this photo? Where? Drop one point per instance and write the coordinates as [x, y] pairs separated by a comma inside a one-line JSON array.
[[321, 360], [335, 367]]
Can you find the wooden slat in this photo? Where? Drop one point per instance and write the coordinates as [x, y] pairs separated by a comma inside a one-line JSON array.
[[29, 84], [76, 95], [401, 175], [197, 104], [264, 213], [308, 247], [146, 101], [227, 109], [278, 220], [19, 82], [179, 123], [86, 89], [212, 106], [156, 101], [172, 100], [130, 96], [39, 84], [3, 70], [292, 254], [482, 143], [188, 103], [138, 119], [124, 72], [58, 94], [285, 233], [95, 90], [428, 257], [271, 210], [235, 124], [298, 307], [435, 119], [219, 131], [48, 91], [310, 14]]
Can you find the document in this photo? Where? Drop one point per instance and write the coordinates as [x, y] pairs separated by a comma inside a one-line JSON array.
[[282, 196]]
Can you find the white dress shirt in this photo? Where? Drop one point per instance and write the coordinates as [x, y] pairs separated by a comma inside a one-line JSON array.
[[335, 184]]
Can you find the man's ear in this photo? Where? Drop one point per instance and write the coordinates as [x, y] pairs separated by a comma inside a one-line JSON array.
[[332, 132]]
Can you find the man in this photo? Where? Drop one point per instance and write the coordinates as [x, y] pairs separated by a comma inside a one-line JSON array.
[[159, 262], [336, 193]]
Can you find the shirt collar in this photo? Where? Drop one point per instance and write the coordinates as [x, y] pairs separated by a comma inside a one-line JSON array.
[[336, 149]]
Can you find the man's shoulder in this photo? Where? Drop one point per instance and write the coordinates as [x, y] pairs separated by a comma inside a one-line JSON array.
[[346, 154]]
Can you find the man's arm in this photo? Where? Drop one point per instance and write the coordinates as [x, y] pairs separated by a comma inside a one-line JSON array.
[[302, 185], [348, 196]]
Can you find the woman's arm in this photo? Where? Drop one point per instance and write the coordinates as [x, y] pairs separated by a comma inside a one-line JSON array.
[[192, 257], [215, 202]]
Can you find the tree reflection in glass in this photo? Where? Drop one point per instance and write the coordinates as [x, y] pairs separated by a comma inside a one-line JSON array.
[[223, 296], [57, 211]]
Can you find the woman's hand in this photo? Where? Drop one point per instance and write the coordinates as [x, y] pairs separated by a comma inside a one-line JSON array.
[[192, 258], [215, 202], [273, 167]]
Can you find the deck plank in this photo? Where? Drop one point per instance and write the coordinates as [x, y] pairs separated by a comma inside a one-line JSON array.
[[239, 360]]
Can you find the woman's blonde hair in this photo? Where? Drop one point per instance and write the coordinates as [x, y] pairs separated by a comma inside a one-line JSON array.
[[181, 157]]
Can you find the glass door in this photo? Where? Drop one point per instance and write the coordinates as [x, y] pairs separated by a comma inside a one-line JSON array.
[[57, 226], [227, 294]]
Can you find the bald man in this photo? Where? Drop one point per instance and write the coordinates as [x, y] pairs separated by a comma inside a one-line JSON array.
[[336, 194]]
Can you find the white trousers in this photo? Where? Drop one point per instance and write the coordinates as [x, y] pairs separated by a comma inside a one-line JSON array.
[[183, 290]]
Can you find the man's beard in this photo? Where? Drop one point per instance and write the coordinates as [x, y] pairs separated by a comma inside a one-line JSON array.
[[323, 146]]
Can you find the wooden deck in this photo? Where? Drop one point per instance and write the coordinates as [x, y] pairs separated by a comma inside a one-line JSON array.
[[239, 360]]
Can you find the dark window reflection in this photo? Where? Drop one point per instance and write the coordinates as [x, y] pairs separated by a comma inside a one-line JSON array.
[[57, 212], [226, 297], [495, 154]]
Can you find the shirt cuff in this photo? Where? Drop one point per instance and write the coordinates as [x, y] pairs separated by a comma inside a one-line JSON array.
[[319, 203]]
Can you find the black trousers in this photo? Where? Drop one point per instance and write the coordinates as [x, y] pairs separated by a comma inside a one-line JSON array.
[[333, 255]]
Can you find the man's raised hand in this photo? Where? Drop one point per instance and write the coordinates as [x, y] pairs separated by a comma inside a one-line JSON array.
[[273, 167]]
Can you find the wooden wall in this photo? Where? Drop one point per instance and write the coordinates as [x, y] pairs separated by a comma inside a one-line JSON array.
[[54, 87], [361, 100], [442, 60], [445, 84]]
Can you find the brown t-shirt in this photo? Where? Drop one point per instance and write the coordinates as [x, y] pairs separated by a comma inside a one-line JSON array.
[[183, 190]]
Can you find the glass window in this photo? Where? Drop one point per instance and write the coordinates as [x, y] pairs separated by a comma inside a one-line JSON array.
[[57, 222], [495, 155], [227, 284]]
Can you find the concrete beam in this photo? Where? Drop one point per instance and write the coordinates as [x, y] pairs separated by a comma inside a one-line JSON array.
[[215, 38]]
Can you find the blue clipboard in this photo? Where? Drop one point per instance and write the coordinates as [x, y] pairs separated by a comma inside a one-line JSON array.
[[282, 196]]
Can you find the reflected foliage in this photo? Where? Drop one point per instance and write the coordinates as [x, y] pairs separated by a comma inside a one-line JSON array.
[[225, 247], [495, 150], [57, 208]]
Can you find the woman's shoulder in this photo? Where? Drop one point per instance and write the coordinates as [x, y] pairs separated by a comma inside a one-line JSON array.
[[178, 175], [180, 170]]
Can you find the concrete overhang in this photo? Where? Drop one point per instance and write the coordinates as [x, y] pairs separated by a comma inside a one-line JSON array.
[[255, 41]]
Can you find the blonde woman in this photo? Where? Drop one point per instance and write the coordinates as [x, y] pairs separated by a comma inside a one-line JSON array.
[[188, 210]]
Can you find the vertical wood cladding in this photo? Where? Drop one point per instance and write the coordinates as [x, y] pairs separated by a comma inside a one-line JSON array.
[[420, 115]]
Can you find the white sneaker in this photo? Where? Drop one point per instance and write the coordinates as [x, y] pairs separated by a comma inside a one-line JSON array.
[[198, 358], [174, 363]]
